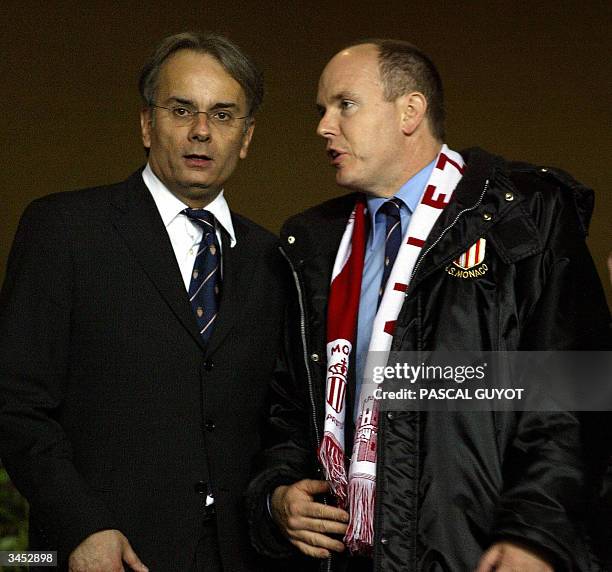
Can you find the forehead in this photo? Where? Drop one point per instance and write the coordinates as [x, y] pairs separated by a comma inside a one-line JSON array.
[[196, 76], [354, 70]]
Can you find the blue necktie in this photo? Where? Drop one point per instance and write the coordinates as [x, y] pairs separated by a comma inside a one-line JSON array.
[[205, 277], [393, 239]]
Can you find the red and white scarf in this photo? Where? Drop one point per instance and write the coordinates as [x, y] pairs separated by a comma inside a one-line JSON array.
[[357, 492]]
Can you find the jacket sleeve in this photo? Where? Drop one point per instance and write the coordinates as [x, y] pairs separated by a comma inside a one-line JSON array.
[[35, 310], [554, 456], [291, 453]]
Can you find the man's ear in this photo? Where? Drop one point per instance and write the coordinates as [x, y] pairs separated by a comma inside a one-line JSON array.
[[246, 138], [146, 124], [413, 108]]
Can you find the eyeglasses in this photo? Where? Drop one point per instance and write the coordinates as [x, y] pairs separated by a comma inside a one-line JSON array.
[[220, 118]]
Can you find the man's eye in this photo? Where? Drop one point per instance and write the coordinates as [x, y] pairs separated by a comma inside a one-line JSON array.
[[181, 112], [344, 104], [222, 116]]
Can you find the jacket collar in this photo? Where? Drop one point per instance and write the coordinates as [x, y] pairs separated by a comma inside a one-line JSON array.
[[483, 198], [317, 231]]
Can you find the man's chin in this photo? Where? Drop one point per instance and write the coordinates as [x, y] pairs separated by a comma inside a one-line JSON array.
[[197, 185], [342, 180], [347, 183], [196, 194]]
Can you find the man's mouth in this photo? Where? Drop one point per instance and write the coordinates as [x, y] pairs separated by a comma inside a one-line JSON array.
[[197, 160], [335, 156]]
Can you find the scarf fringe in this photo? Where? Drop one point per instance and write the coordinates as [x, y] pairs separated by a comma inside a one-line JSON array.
[[359, 536], [332, 459]]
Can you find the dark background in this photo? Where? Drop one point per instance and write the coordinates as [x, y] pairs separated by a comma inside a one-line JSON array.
[[528, 80]]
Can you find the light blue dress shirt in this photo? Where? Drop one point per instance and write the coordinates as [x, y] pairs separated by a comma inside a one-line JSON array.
[[410, 194]]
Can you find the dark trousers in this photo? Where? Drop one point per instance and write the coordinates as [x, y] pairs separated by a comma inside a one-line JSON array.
[[208, 557]]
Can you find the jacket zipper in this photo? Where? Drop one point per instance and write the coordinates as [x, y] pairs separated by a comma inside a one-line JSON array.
[[378, 516], [304, 349], [296, 279], [449, 227]]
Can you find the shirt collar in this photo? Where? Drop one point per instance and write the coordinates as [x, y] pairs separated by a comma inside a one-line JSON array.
[[170, 206], [410, 193]]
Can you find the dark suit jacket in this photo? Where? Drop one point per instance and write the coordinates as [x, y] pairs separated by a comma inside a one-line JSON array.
[[112, 413]]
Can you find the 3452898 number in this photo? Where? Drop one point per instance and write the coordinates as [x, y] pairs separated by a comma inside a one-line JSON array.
[[40, 558]]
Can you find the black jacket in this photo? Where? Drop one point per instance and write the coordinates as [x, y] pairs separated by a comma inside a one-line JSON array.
[[112, 412], [450, 484]]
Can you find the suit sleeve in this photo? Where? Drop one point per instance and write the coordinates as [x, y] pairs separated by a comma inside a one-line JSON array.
[[555, 458], [35, 334]]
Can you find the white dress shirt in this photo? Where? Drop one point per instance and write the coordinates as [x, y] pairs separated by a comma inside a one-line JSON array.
[[184, 234]]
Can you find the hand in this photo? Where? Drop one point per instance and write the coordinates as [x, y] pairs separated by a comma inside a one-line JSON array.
[[104, 551], [307, 523], [509, 557]]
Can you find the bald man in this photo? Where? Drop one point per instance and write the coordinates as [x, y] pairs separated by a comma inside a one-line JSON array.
[[432, 250]]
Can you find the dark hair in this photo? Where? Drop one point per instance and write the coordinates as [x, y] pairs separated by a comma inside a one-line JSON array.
[[228, 54], [405, 68]]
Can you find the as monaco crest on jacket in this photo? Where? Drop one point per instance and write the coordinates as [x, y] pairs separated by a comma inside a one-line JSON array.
[[473, 256], [471, 263]]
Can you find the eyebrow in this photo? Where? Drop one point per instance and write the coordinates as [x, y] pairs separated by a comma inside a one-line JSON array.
[[345, 95], [224, 105], [338, 97], [218, 105], [181, 100]]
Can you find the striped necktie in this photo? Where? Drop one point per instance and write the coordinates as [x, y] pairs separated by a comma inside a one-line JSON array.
[[205, 277], [393, 239]]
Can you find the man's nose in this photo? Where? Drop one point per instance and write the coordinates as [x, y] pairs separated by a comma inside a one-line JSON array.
[[200, 128], [327, 126]]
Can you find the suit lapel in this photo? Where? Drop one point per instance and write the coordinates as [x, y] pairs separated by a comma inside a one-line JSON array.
[[137, 220], [237, 263]]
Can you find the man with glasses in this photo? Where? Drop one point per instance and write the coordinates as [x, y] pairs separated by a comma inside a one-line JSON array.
[[136, 346]]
